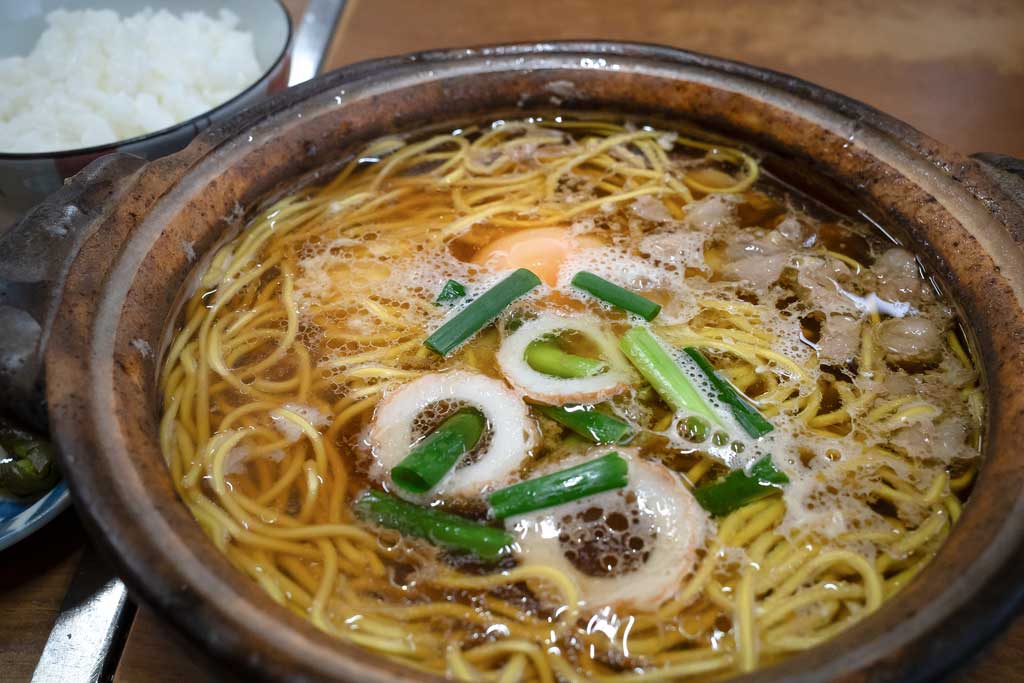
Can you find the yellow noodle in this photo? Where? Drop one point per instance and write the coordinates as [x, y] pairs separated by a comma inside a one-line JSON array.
[[253, 348]]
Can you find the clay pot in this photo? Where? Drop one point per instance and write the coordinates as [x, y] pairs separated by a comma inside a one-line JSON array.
[[113, 252]]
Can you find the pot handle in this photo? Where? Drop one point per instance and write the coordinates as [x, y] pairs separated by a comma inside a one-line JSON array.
[[35, 256], [1006, 171]]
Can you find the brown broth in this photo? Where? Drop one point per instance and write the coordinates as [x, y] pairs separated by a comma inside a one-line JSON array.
[[781, 295]]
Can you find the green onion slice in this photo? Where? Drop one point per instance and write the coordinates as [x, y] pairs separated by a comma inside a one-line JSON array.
[[589, 423], [546, 357], [738, 488], [437, 527], [481, 312], [602, 474], [435, 454], [745, 413], [451, 291], [616, 296], [664, 374]]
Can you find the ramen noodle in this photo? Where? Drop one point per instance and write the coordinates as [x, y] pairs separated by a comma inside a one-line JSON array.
[[566, 398]]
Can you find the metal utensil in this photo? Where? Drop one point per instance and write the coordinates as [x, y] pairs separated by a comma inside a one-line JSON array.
[[94, 617], [316, 28]]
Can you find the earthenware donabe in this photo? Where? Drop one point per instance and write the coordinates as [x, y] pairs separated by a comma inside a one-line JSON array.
[[117, 274]]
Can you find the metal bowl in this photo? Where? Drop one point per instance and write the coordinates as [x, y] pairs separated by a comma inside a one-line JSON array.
[[111, 286]]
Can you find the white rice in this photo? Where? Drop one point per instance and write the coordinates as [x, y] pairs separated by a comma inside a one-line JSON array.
[[94, 77]]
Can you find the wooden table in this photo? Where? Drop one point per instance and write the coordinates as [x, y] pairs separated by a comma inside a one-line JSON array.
[[953, 69]]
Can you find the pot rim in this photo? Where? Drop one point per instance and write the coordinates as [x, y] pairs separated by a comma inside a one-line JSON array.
[[72, 412]]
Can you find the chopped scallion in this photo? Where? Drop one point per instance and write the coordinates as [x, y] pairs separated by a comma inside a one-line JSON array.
[[738, 488], [451, 291], [435, 454], [586, 479], [481, 312], [746, 414], [664, 374], [589, 423], [435, 526], [616, 296], [548, 358]]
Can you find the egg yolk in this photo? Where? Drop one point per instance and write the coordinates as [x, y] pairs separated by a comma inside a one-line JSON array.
[[541, 250]]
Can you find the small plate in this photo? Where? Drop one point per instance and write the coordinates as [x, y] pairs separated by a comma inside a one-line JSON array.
[[19, 518]]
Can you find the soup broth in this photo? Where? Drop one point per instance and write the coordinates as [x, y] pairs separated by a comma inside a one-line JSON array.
[[753, 506]]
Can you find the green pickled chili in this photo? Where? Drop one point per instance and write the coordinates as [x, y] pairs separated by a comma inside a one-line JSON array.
[[27, 463], [664, 374], [745, 413], [481, 312], [738, 488], [451, 291], [588, 423], [432, 458], [435, 526], [611, 293], [546, 357], [586, 479]]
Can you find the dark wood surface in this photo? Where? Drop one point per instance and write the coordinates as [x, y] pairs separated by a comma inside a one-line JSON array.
[[954, 69], [34, 575]]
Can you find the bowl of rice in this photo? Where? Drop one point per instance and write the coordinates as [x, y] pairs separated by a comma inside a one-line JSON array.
[[84, 78]]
